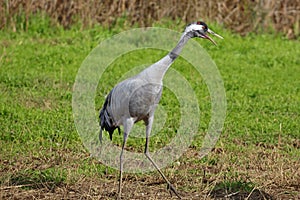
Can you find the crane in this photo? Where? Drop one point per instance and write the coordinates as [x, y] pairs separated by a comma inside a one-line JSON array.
[[136, 98]]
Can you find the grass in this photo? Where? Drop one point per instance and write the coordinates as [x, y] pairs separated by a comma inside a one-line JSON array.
[[43, 156]]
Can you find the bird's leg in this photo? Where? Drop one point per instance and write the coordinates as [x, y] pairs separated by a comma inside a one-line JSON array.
[[148, 131], [100, 135], [121, 165], [127, 127]]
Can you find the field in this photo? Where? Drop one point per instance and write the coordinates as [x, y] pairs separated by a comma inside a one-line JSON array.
[[42, 155]]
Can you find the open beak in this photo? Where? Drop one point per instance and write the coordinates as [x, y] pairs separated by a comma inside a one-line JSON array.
[[213, 33]]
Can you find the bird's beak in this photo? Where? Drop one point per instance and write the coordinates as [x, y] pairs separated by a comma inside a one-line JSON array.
[[213, 33]]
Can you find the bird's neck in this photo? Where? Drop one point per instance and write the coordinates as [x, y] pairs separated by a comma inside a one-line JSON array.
[[176, 51], [158, 69]]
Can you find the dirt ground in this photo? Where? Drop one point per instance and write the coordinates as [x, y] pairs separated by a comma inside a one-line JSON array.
[[91, 190], [273, 174]]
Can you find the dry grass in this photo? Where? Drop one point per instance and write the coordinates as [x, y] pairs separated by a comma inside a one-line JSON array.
[[274, 174], [239, 15]]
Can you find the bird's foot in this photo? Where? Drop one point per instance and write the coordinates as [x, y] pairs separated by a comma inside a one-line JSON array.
[[119, 197], [171, 189]]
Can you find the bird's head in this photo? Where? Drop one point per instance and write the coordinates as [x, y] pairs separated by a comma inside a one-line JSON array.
[[201, 30]]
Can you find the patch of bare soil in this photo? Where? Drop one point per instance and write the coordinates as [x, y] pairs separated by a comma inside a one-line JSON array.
[[255, 194], [259, 174]]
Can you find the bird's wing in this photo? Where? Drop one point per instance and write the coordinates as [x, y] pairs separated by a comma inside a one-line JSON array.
[[133, 98], [144, 100]]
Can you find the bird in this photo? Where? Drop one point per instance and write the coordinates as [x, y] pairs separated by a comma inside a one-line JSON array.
[[136, 98]]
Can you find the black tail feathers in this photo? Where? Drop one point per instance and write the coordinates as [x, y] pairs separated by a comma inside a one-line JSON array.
[[106, 120]]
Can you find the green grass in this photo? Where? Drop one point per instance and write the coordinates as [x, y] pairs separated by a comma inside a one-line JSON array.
[[38, 69]]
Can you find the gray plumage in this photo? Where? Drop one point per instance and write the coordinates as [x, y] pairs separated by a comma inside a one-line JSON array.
[[136, 98]]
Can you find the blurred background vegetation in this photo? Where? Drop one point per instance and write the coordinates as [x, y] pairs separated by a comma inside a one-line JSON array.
[[241, 16]]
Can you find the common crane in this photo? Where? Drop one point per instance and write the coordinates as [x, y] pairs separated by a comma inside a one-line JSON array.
[[136, 98]]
